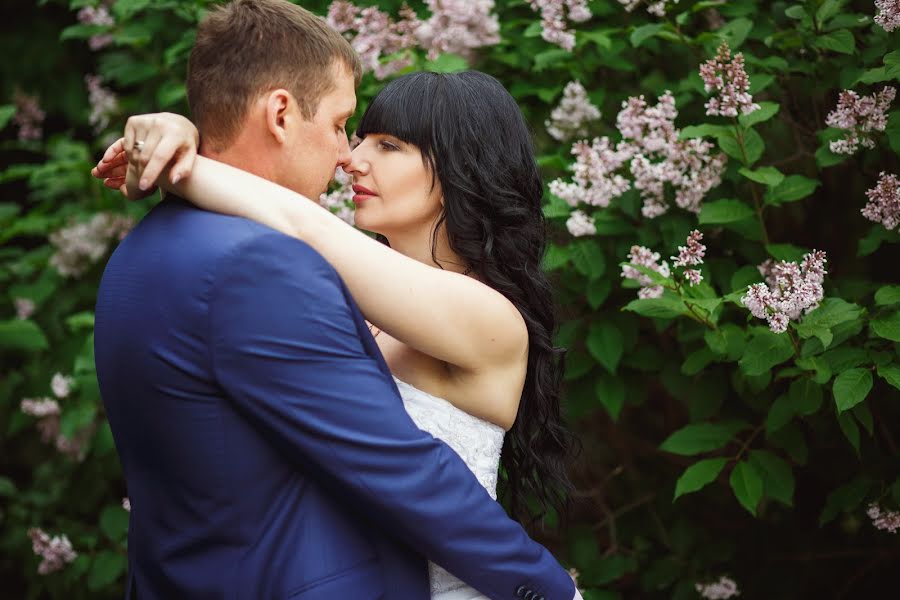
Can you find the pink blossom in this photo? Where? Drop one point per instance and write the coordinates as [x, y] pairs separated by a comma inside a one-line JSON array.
[[884, 201], [693, 276], [888, 14], [575, 110], [126, 504], [375, 35], [458, 27], [654, 7], [886, 520], [29, 117], [61, 385], [554, 14], [722, 589], [656, 158], [691, 254], [579, 224], [340, 199], [25, 307], [90, 15], [56, 552], [80, 245], [726, 76], [102, 100], [40, 407], [644, 257], [859, 117], [790, 290]]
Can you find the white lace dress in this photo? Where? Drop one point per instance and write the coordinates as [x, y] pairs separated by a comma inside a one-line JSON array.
[[478, 442]]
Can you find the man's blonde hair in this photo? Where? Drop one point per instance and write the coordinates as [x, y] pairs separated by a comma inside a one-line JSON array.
[[247, 47]]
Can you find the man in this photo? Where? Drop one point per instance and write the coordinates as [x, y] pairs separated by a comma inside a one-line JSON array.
[[265, 447]]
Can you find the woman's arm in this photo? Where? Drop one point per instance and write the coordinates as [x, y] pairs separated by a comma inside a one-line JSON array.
[[446, 315]]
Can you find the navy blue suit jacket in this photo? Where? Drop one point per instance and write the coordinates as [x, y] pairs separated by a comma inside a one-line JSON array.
[[266, 450]]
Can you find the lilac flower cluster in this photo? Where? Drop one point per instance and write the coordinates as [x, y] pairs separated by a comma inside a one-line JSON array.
[[25, 307], [789, 291], [691, 255], [554, 14], [29, 117], [102, 100], [884, 201], [726, 76], [126, 504], [888, 14], [80, 245], [654, 7], [580, 224], [458, 27], [340, 199], [722, 589], [575, 110], [48, 411], [56, 552], [374, 35], [655, 156], [90, 15], [886, 520], [644, 257], [859, 117]]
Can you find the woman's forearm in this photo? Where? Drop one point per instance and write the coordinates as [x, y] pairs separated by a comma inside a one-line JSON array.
[[440, 313]]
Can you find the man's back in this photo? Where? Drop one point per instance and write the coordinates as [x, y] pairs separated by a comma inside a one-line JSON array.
[[216, 508]]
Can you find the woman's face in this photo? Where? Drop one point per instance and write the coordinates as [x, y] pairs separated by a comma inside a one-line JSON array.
[[393, 187]]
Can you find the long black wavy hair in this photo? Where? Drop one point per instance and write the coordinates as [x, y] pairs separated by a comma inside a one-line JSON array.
[[474, 140]]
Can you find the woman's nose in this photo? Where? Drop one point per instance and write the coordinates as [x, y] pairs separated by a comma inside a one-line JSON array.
[[358, 163]]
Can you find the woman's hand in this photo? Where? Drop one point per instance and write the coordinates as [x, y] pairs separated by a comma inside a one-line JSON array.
[[157, 149]]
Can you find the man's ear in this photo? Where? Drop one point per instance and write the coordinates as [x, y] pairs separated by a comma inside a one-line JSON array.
[[280, 109]]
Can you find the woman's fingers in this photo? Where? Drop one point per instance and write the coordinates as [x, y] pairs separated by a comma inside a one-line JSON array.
[[158, 159], [184, 164], [146, 156], [105, 168], [117, 148]]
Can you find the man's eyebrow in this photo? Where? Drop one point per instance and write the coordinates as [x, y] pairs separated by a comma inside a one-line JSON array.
[[347, 114]]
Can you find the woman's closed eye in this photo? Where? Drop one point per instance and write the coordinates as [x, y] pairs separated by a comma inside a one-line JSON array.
[[386, 145]]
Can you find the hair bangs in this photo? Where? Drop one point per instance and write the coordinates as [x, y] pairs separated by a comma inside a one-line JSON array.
[[404, 109]]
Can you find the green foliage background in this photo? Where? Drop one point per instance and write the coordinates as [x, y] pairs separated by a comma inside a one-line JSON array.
[[711, 445]]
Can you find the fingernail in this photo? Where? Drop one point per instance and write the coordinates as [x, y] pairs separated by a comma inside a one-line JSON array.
[[144, 184], [176, 178]]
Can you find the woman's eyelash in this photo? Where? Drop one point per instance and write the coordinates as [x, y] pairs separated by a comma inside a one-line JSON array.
[[387, 145]]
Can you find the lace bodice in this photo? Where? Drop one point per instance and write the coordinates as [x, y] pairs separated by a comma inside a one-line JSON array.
[[477, 442]]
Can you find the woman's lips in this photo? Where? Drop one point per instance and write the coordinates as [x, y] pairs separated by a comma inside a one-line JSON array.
[[362, 194]]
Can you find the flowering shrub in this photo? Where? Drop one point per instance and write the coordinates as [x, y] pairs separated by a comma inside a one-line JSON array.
[[734, 379]]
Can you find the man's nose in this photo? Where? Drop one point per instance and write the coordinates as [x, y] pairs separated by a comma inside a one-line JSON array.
[[344, 154]]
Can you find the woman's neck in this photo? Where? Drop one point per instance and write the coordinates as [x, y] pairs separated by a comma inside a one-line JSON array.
[[418, 247]]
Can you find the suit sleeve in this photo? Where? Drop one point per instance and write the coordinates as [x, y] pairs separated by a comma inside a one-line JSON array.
[[287, 351]]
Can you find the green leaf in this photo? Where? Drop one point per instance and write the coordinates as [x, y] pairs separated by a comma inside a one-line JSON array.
[[106, 568], [24, 335], [598, 291], [701, 437], [845, 498], [786, 252], [645, 32], [703, 130], [887, 295], [664, 307], [794, 187], [7, 488], [766, 111], [728, 340], [6, 113], [851, 387], [806, 396], [887, 326], [699, 475], [730, 145], [736, 31], [555, 257], [697, 361], [777, 476], [747, 485], [828, 9], [724, 211], [611, 394], [841, 41], [819, 322], [588, 258], [890, 373], [114, 523], [769, 176], [765, 350], [449, 63], [604, 342], [850, 429], [754, 146]]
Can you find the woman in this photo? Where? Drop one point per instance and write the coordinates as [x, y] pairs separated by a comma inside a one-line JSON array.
[[445, 174]]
